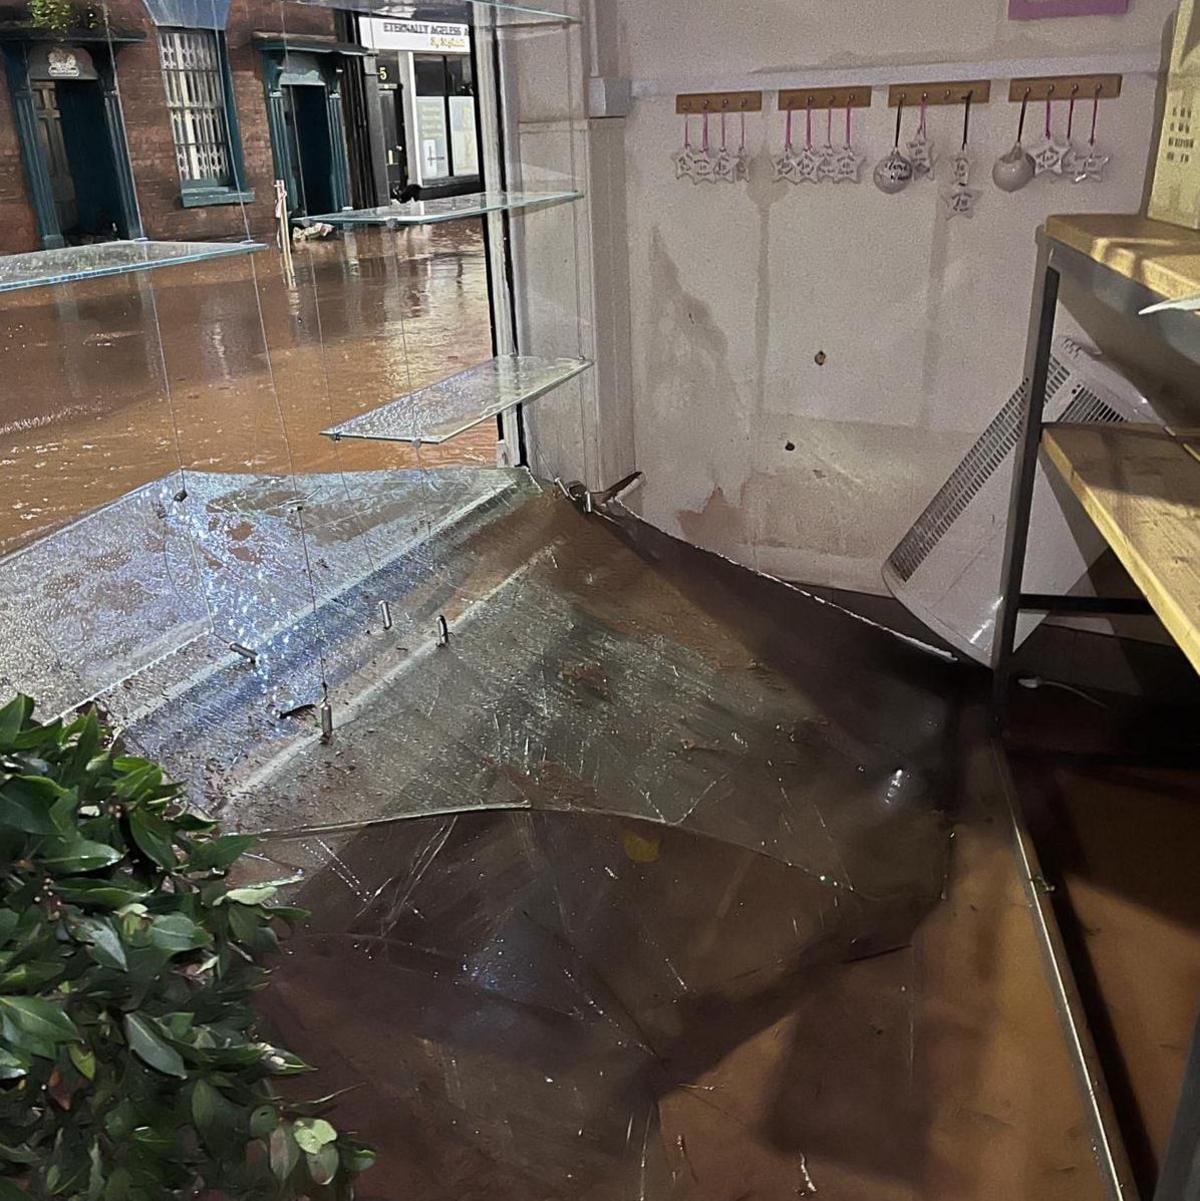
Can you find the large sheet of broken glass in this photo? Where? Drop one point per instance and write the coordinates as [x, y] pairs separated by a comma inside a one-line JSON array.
[[445, 409], [442, 208], [39, 268], [634, 875]]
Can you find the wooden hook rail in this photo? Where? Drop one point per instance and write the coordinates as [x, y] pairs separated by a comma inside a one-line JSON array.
[[1064, 87], [719, 102], [912, 94], [793, 99]]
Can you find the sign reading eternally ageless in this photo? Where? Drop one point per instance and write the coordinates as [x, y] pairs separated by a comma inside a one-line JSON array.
[[388, 33]]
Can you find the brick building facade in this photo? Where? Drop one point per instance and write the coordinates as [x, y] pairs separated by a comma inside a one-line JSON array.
[[261, 45]]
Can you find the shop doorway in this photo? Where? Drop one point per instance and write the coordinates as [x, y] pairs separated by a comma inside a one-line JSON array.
[[72, 143], [306, 122], [73, 134]]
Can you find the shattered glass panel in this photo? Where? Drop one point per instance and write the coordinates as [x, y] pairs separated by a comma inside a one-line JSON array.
[[443, 208], [447, 408], [37, 268], [633, 874]]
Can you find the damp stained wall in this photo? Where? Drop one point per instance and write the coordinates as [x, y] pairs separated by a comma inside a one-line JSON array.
[[734, 290]]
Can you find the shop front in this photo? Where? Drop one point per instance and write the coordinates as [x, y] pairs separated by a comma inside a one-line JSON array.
[[427, 101], [303, 80], [67, 113]]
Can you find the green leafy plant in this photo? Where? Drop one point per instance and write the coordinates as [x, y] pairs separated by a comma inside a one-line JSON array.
[[54, 15], [131, 1068]]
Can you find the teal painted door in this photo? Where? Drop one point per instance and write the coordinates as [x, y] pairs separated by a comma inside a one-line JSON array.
[[306, 121]]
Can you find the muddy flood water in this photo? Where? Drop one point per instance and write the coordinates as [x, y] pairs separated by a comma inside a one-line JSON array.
[[220, 366]]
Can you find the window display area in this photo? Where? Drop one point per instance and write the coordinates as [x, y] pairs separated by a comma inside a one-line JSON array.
[[481, 564]]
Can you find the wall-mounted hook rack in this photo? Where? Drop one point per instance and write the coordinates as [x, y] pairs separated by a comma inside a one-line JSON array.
[[911, 94], [798, 99], [1063, 87], [719, 102]]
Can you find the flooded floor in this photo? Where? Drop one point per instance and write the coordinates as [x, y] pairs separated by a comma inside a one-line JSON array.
[[220, 366]]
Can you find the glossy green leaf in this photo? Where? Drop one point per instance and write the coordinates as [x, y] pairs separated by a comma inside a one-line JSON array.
[[177, 932], [43, 1020], [255, 895], [311, 1134], [221, 853], [78, 855], [153, 837], [283, 1154], [8, 924], [150, 1047], [102, 893], [263, 1121], [26, 803], [12, 718], [323, 1166], [84, 1059], [356, 1157], [105, 944], [205, 1101]]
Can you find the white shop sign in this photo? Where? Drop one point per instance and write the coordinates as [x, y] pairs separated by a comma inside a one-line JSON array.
[[387, 33]]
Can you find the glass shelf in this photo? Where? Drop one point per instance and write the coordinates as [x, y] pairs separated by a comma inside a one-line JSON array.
[[37, 268], [447, 408], [504, 12], [444, 208]]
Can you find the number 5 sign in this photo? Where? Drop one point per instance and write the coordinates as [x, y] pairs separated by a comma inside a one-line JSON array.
[[1031, 10]]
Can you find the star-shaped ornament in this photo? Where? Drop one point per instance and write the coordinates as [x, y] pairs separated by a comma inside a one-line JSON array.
[[1090, 166], [785, 165], [960, 200], [702, 168], [920, 154], [683, 163], [808, 166], [828, 157], [1048, 157], [847, 164]]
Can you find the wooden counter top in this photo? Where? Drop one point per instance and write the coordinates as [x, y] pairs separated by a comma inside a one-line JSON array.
[[1164, 258], [1141, 488]]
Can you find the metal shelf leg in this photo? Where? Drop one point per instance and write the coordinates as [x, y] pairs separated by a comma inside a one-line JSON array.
[[1016, 538]]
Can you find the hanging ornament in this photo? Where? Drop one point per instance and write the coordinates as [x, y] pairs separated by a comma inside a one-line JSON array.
[[785, 164], [960, 199], [1090, 165], [1049, 153], [920, 149], [728, 167], [847, 162], [809, 161], [684, 159], [702, 170], [894, 173], [1014, 169], [827, 153], [1072, 156]]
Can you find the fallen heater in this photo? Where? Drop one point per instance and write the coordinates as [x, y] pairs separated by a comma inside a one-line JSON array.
[[946, 570]]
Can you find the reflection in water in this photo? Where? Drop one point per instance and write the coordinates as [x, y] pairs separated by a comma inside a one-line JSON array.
[[374, 314]]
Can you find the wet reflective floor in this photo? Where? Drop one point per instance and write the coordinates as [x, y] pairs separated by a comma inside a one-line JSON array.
[[220, 366]]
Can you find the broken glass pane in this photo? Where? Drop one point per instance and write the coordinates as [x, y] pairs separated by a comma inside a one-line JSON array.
[[442, 208], [447, 408], [37, 268]]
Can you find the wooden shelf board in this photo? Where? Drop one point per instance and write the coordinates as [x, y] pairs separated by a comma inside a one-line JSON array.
[[1141, 488], [1164, 258]]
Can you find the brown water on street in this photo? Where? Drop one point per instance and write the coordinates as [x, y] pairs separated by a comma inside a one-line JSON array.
[[220, 366]]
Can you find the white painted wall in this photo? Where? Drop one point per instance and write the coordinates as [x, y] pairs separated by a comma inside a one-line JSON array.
[[733, 290]]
